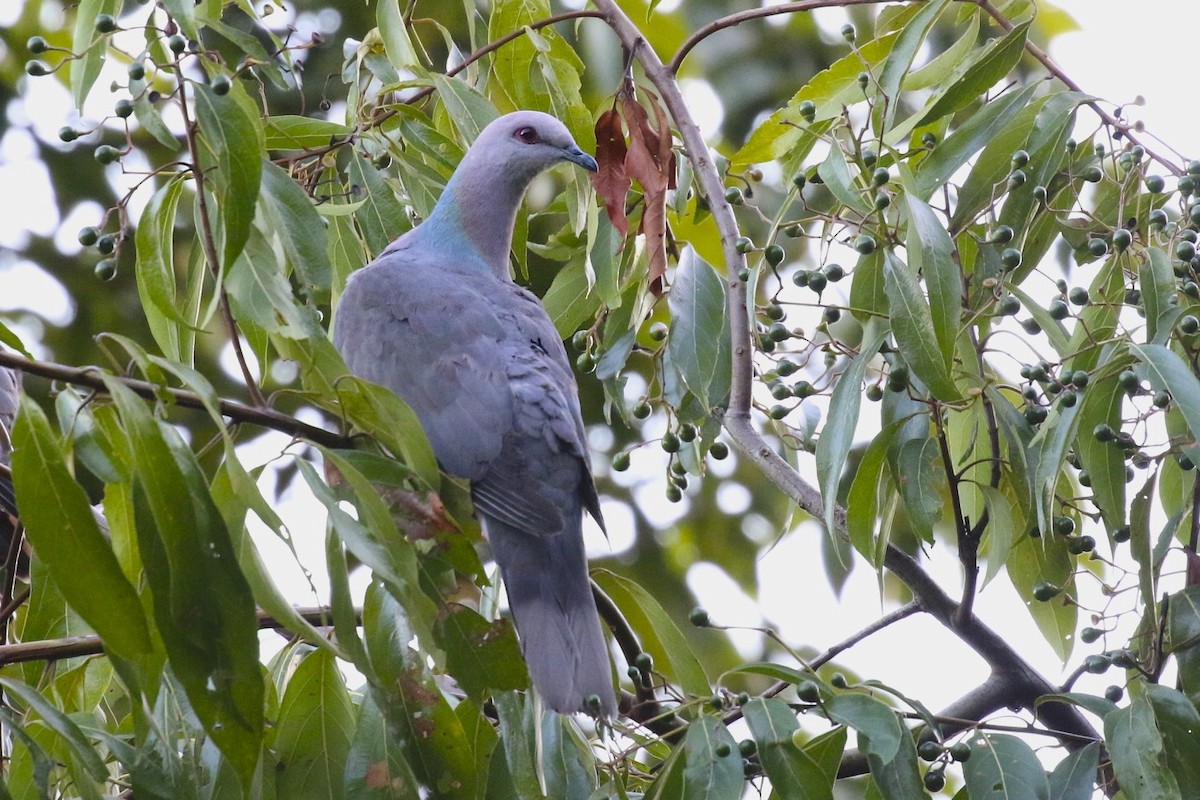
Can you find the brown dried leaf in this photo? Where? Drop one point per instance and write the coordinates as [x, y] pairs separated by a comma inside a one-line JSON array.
[[649, 161], [611, 181]]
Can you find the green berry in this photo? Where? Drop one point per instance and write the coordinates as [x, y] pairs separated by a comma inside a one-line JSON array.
[[1121, 534], [747, 748], [808, 691], [817, 281], [935, 780], [930, 750], [1089, 635], [786, 367], [221, 85], [620, 461], [642, 409], [670, 442], [774, 255], [834, 272], [1039, 193], [1161, 399], [793, 231], [838, 681], [1008, 306], [1045, 591], [777, 412], [743, 244], [1157, 218], [698, 617], [1104, 433], [1068, 398], [1035, 415], [1020, 158], [865, 244], [1155, 183], [1122, 238], [1129, 381], [1063, 526], [1058, 310], [800, 277], [848, 33], [36, 68], [1092, 174], [719, 451], [874, 393], [106, 154], [881, 176], [744, 274], [734, 196], [897, 379], [658, 331], [68, 134], [1113, 694], [123, 108], [1097, 247], [928, 140], [107, 243], [37, 45], [1079, 296], [1011, 258], [1185, 251], [1189, 324], [808, 110], [1097, 664], [177, 44], [88, 236], [960, 751], [105, 23], [674, 493], [106, 269], [1080, 378], [136, 70], [687, 432], [1003, 234], [882, 200], [803, 389], [586, 362]]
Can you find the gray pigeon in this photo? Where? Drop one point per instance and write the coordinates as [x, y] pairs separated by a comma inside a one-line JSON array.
[[438, 320]]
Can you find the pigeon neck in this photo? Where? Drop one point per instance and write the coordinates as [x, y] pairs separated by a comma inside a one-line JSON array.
[[479, 208]]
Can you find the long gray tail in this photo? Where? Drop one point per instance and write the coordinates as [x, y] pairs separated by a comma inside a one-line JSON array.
[[551, 599]]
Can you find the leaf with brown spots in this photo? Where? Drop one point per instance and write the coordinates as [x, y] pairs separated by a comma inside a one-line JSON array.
[[611, 181]]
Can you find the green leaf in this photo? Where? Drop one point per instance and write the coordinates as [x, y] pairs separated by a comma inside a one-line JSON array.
[[900, 59], [1046, 559], [899, 778], [390, 421], [484, 657], [712, 765], [568, 765], [90, 45], [1075, 776], [838, 435], [299, 229], [61, 724], [230, 140], [1166, 370], [793, 772], [569, 301], [912, 325], [375, 765], [382, 217], [982, 75], [660, 637], [870, 717], [203, 606], [835, 172], [1104, 463], [1001, 530], [1136, 747], [931, 254], [292, 132], [921, 481], [313, 730], [1158, 289], [1003, 767], [862, 503], [1183, 634], [397, 42], [699, 341], [1178, 722], [155, 268], [470, 110], [978, 130], [62, 528]]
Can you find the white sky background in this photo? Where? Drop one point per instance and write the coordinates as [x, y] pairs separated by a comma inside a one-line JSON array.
[[1124, 50]]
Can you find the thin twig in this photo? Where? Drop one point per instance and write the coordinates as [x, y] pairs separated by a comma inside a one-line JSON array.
[[90, 377]]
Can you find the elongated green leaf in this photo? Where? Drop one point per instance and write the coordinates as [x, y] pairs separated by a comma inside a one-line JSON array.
[[470, 109], [1183, 633], [568, 765], [313, 730], [1033, 560], [375, 765], [1167, 371], [91, 45], [1004, 768], [899, 778], [660, 637], [931, 254], [382, 218], [1056, 334], [871, 717], [835, 172], [982, 75], [203, 606], [1104, 463], [1178, 722], [838, 435], [900, 59], [999, 140], [60, 524], [1158, 289], [1139, 760], [387, 418], [393, 30], [155, 267], [862, 504], [61, 724], [1001, 530], [484, 657], [793, 772], [1075, 776], [290, 132], [946, 63], [712, 767], [230, 138], [912, 325], [299, 228], [699, 341]]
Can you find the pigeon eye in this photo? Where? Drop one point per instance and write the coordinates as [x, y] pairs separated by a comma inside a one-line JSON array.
[[528, 135]]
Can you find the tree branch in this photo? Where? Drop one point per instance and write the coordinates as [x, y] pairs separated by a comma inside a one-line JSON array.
[[240, 412], [1023, 683]]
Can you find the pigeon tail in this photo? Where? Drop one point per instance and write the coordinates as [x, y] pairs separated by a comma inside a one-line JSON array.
[[551, 600]]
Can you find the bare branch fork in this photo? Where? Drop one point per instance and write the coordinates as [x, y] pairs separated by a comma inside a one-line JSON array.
[[1013, 681]]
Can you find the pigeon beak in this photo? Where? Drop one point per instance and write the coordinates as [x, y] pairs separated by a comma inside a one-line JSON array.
[[577, 156]]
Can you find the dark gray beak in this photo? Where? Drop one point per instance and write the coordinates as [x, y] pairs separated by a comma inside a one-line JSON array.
[[577, 156]]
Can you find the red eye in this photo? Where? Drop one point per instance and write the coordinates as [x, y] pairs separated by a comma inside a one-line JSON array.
[[528, 135]]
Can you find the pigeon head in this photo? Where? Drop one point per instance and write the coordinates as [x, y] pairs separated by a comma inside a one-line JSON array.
[[524, 143]]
